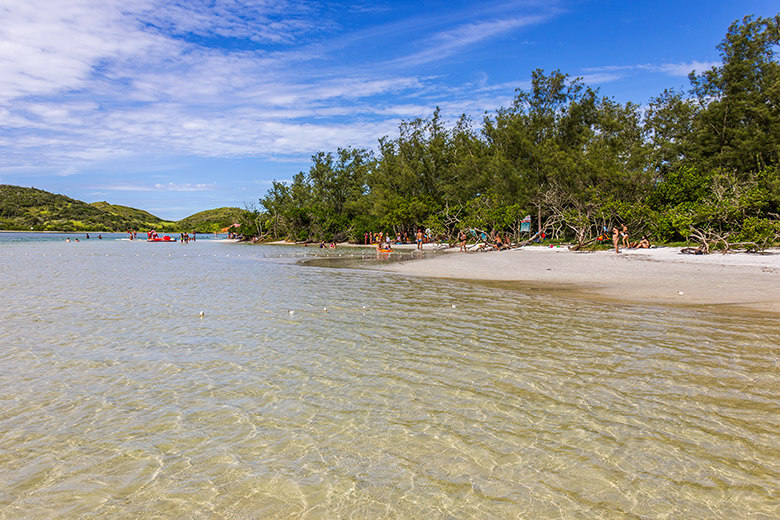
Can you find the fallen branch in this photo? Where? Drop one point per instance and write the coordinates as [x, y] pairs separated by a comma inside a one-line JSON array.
[[521, 244]]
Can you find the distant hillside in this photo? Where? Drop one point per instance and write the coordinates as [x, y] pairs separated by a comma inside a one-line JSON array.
[[32, 209], [127, 212], [211, 220]]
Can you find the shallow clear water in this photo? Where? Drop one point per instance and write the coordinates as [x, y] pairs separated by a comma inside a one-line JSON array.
[[406, 398]]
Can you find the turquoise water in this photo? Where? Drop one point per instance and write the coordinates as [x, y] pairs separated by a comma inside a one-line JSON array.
[[314, 392]]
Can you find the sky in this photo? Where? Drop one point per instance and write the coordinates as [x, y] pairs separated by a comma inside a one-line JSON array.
[[178, 106]]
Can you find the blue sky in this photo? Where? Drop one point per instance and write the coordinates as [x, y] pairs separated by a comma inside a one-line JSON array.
[[179, 106]]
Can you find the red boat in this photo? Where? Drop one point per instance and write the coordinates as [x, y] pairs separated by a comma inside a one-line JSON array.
[[166, 238]]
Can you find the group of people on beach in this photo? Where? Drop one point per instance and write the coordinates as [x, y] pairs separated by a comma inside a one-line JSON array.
[[620, 235], [493, 242], [383, 241]]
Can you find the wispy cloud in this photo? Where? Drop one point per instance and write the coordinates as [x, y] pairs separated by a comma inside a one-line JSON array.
[[52, 47], [125, 187], [171, 186], [672, 69], [446, 43], [683, 69], [597, 78]]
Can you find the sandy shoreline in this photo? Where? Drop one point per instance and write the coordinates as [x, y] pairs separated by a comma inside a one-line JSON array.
[[656, 276]]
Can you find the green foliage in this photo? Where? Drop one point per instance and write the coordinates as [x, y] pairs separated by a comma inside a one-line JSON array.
[[704, 162], [760, 231], [739, 126], [680, 186]]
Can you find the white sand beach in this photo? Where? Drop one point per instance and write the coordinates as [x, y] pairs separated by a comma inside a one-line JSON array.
[[656, 276]]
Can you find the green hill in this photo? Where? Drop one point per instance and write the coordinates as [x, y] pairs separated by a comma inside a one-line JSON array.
[[127, 212], [211, 220], [30, 208], [33, 209]]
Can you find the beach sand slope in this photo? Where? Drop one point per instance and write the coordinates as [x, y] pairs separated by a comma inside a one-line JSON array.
[[655, 276]]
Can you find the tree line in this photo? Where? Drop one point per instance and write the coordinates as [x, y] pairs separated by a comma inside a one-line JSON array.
[[700, 164]]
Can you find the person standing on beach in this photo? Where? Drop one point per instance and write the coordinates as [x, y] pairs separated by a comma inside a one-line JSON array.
[[462, 238], [419, 239], [616, 238], [624, 235]]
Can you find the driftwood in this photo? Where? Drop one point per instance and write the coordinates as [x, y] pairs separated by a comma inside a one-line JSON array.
[[526, 242], [710, 239], [257, 239], [584, 244]]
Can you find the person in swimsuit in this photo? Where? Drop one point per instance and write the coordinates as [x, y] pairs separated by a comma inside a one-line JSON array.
[[616, 238], [624, 235], [419, 239], [642, 244]]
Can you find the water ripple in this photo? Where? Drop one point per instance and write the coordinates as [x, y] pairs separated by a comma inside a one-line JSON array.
[[310, 392]]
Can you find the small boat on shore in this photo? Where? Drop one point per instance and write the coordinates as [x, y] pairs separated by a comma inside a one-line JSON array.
[[166, 238]]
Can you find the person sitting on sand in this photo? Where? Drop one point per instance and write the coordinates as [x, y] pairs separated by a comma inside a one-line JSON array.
[[644, 243]]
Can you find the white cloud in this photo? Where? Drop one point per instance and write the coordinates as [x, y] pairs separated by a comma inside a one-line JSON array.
[[125, 187], [184, 187], [95, 81], [447, 43], [50, 46], [683, 69], [673, 69], [600, 77]]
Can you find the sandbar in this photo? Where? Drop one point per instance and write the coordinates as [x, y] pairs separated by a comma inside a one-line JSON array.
[[734, 281]]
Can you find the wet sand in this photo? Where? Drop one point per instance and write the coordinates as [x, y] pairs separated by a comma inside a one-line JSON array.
[[738, 281]]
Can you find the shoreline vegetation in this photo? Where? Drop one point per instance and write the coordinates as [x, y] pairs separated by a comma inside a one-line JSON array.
[[700, 166]]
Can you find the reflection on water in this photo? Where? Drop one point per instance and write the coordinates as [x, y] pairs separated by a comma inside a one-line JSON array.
[[312, 392]]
